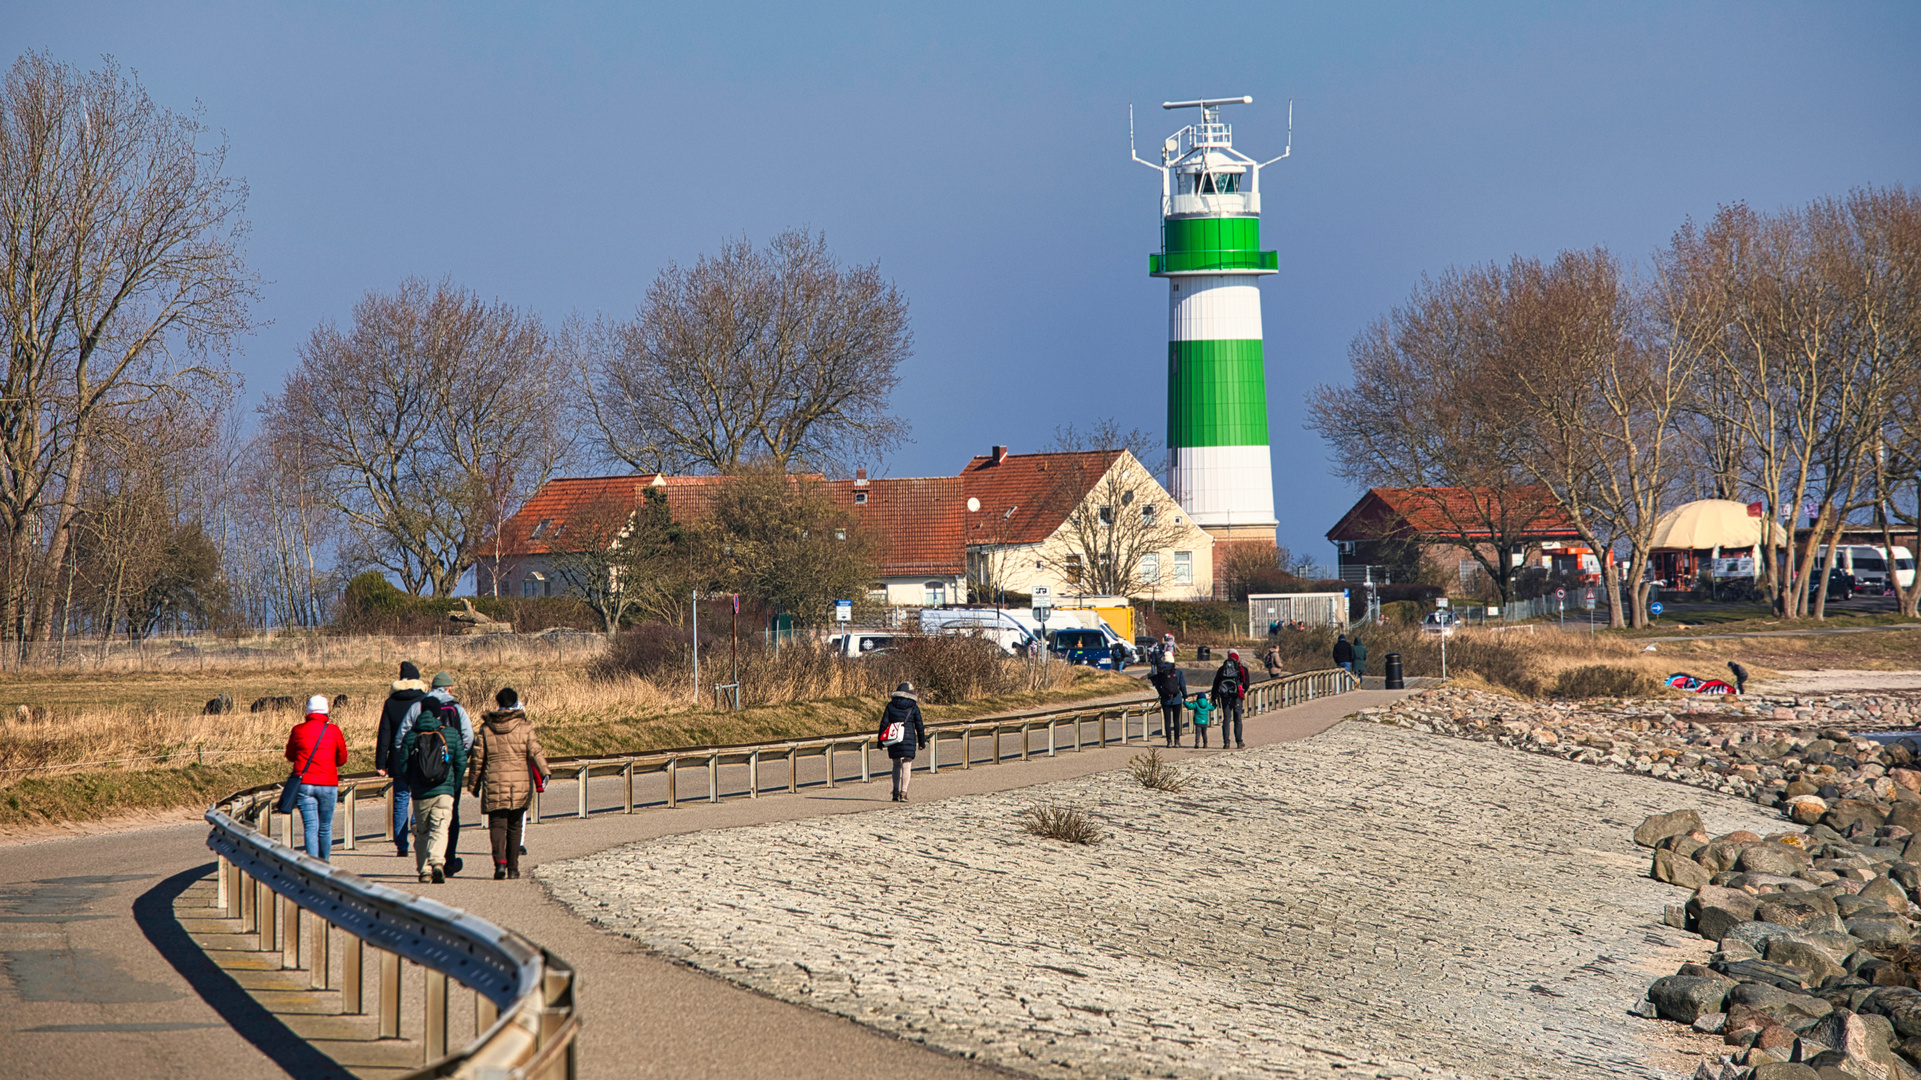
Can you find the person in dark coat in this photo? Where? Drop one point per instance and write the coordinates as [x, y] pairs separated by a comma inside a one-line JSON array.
[[433, 798], [1172, 687], [1360, 657], [1117, 652], [407, 690], [1343, 653], [903, 709], [1230, 694], [1740, 677]]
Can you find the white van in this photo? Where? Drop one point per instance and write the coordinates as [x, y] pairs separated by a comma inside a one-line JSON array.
[[998, 626], [865, 642], [1869, 565]]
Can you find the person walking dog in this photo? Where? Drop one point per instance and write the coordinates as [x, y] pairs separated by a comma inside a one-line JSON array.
[[902, 732], [508, 767], [407, 690], [1171, 684], [1230, 695], [435, 761], [318, 750]]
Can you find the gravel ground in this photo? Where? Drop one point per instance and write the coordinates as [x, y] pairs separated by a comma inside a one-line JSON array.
[[1368, 902]]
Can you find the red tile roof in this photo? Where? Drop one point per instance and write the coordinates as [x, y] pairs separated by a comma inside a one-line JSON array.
[[1453, 512], [558, 501], [1039, 489], [921, 522]]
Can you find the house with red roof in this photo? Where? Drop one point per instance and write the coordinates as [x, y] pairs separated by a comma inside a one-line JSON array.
[[1392, 534]]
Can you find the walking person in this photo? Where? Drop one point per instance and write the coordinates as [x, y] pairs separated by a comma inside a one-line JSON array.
[[507, 768], [1271, 660], [407, 690], [1172, 687], [1230, 695], [318, 750], [903, 733], [1203, 711], [1343, 653], [434, 761], [1360, 657], [1117, 652], [453, 717]]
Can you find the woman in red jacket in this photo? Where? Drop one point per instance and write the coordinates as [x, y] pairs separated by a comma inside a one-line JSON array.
[[318, 750]]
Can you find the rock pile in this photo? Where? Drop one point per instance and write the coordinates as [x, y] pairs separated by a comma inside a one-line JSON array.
[[1817, 973], [1805, 756]]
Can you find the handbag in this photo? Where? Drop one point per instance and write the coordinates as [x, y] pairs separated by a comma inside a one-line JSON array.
[[290, 790]]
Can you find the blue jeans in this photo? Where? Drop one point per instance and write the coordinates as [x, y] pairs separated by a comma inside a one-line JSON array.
[[403, 815], [316, 804]]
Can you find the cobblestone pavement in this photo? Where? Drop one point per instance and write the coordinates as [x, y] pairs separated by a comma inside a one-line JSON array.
[[1368, 902]]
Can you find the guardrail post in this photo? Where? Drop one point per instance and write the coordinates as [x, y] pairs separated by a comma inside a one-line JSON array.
[[1025, 729], [286, 829], [673, 782], [713, 777], [247, 897], [323, 959], [866, 766], [289, 934], [827, 756], [967, 748], [346, 835], [1078, 719], [433, 1044], [1053, 725], [387, 813], [484, 1014], [580, 792], [266, 908], [793, 768], [220, 885], [353, 975], [627, 804], [753, 774], [389, 1025], [933, 756]]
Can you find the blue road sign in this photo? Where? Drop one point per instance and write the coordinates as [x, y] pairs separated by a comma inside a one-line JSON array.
[[1655, 608]]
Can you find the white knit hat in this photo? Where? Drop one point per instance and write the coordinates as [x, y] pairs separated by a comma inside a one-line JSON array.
[[317, 704]]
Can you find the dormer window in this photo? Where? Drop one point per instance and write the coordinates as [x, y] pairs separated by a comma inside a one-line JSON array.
[[860, 498]]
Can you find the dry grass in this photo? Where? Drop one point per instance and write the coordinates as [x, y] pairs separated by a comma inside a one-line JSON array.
[[1060, 823], [1156, 773], [111, 742]]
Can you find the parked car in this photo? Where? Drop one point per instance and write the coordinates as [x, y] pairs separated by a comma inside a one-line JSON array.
[[1840, 584], [1443, 623], [1083, 646], [865, 642]]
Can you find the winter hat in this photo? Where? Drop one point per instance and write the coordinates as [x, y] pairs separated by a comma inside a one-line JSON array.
[[442, 680], [318, 705], [1232, 655], [905, 690], [508, 698], [408, 670]]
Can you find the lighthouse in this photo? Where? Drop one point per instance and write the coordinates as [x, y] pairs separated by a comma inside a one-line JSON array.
[[1219, 466]]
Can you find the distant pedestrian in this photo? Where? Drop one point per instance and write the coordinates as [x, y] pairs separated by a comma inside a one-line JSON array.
[[1203, 711], [318, 750], [1168, 649], [1360, 657], [1271, 660], [1274, 628], [1740, 677], [1343, 653], [435, 762], [407, 690], [508, 767], [903, 733], [1171, 685], [1230, 694], [1118, 654], [453, 716]]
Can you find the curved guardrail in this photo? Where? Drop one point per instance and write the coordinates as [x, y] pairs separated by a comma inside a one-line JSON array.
[[524, 995]]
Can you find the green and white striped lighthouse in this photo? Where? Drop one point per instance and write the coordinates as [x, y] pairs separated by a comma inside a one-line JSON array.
[[1219, 467]]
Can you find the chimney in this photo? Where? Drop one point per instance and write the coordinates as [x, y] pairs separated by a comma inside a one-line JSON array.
[[1000, 454], [860, 477]]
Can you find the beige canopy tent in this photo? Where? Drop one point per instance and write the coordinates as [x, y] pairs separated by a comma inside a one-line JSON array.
[[1712, 523]]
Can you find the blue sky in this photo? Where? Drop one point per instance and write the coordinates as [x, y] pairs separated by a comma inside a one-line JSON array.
[[557, 156]]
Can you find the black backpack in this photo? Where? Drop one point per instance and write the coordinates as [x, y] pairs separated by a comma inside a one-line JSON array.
[[430, 756]]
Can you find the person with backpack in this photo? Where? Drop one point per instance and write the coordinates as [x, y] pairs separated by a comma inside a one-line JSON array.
[[1271, 660], [453, 717], [1203, 711], [1230, 695], [1343, 653], [1172, 687], [318, 750], [506, 770], [435, 761], [407, 690], [903, 733]]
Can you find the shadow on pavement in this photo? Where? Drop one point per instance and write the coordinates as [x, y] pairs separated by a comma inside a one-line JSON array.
[[153, 912]]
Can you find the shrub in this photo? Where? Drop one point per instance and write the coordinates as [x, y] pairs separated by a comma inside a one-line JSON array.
[[1155, 773], [1060, 823], [371, 604], [1604, 680]]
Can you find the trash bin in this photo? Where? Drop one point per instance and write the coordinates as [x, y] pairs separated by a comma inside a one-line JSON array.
[[1394, 681], [1205, 652]]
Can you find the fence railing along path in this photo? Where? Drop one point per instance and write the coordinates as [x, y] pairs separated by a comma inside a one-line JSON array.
[[312, 912]]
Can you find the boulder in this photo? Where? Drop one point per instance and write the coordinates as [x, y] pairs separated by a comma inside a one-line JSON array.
[[1756, 935], [1679, 870], [1743, 1020], [1799, 954], [1770, 858], [1907, 815], [1783, 1070], [1686, 998], [1721, 853], [1885, 890], [1785, 976], [1906, 778], [1802, 910], [1784, 1005], [1845, 814], [1883, 931], [1659, 827], [1806, 808], [1715, 910]]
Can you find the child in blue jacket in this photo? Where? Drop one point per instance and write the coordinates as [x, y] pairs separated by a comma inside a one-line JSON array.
[[1203, 711]]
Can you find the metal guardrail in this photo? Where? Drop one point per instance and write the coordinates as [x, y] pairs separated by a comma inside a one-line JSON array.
[[524, 996]]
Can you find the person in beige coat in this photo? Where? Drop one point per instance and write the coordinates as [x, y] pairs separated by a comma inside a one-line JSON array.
[[507, 767]]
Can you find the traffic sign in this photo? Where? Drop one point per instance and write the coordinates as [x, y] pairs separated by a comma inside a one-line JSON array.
[[1655, 608], [1590, 596], [1560, 594]]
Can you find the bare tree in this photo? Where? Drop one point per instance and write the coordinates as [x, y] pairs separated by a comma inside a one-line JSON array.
[[1118, 524], [432, 412], [775, 354], [119, 265], [617, 554]]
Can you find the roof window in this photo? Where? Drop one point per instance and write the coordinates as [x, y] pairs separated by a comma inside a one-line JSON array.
[[541, 529]]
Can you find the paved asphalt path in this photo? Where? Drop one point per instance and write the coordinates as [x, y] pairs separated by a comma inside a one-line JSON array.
[[101, 979]]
